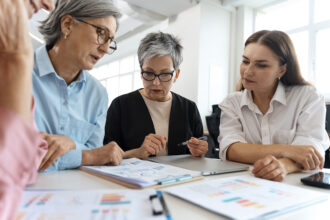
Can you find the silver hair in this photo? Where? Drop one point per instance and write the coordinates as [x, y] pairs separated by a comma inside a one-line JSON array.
[[160, 44], [79, 9]]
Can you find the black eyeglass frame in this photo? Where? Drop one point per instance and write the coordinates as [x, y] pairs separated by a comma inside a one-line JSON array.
[[113, 48], [157, 75]]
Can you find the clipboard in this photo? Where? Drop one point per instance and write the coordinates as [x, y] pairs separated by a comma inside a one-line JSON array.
[[153, 175]]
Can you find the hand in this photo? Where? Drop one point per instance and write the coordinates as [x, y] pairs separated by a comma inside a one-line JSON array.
[[197, 147], [307, 156], [151, 145], [110, 153], [57, 146], [270, 168]]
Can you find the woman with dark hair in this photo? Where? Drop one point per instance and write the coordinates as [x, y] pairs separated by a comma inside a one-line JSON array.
[[277, 119]]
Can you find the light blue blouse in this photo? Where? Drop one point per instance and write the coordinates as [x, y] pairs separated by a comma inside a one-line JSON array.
[[77, 111]]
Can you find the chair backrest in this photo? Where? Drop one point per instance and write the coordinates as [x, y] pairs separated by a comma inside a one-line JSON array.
[[327, 126], [213, 122]]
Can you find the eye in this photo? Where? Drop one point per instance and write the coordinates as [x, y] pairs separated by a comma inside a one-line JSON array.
[[262, 65], [245, 62]]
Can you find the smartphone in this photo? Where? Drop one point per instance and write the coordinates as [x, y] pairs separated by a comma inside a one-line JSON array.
[[319, 179]]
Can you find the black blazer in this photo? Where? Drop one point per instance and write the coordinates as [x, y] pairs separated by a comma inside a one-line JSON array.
[[129, 122]]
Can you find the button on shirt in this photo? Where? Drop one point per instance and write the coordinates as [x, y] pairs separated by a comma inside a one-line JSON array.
[[296, 116], [77, 111]]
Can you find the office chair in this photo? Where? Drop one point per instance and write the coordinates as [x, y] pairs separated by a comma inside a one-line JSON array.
[[213, 122], [327, 126]]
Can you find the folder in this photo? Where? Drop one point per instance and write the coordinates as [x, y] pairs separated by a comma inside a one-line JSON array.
[[136, 173]]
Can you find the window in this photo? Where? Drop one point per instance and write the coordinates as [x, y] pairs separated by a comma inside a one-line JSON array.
[[308, 24], [119, 77]]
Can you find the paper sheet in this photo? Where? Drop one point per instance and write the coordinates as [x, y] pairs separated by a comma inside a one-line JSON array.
[[243, 197], [140, 172], [86, 205]]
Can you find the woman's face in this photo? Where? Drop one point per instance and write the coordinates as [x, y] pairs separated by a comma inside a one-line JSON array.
[[33, 6], [157, 90], [260, 68], [83, 41]]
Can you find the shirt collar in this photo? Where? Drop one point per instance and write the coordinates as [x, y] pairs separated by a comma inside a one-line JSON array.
[[45, 65], [43, 62], [279, 96]]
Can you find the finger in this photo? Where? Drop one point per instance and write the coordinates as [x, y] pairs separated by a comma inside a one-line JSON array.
[[195, 152], [316, 161], [319, 156], [279, 177], [161, 141], [156, 142], [44, 135], [52, 159], [267, 169], [150, 150], [311, 163], [260, 164], [50, 152], [156, 147], [272, 173]]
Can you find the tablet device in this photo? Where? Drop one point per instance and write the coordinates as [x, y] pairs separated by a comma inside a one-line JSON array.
[[207, 166], [320, 179]]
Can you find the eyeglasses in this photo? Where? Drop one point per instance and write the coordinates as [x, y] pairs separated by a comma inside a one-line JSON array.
[[103, 36], [150, 76]]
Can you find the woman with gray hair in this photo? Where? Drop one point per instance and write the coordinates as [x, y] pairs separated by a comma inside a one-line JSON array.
[[71, 104], [154, 120]]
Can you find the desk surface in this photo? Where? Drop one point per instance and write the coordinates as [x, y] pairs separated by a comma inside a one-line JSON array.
[[76, 179]]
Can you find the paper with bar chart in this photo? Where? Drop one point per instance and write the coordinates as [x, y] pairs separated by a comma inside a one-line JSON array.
[[143, 173], [87, 205], [246, 197]]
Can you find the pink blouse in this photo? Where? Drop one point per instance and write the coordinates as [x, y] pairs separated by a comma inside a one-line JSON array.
[[21, 151]]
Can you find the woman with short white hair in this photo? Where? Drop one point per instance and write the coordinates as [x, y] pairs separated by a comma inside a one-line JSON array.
[[154, 120]]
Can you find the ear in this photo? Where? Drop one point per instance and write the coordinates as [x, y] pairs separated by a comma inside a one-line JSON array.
[[67, 25], [282, 70], [177, 74]]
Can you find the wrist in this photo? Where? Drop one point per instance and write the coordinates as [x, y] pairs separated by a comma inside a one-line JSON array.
[[87, 158]]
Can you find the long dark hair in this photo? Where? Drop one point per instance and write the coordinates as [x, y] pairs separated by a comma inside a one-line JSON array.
[[281, 44]]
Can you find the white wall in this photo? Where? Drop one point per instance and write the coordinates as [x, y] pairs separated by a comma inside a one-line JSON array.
[[186, 26]]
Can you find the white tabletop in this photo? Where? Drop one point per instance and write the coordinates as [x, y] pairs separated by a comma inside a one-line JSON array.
[[76, 179]]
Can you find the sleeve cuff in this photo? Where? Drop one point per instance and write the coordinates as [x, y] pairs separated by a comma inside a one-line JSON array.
[[225, 143]]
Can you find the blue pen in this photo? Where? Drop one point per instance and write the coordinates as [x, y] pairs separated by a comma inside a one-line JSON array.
[[165, 208]]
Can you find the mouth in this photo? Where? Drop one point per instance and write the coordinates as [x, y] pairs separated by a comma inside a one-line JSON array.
[[95, 58], [248, 80], [156, 91]]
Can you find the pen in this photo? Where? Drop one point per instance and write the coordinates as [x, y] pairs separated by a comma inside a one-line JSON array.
[[159, 209], [165, 208], [204, 138]]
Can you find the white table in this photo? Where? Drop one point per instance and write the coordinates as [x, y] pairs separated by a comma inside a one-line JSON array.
[[76, 179]]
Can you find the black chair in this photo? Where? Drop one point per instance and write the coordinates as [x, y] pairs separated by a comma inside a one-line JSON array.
[[327, 126], [213, 122]]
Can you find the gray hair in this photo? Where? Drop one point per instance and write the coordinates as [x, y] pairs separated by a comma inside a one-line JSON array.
[[160, 44], [79, 9]]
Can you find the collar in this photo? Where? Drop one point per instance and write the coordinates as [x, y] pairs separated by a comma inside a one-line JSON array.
[[279, 96]]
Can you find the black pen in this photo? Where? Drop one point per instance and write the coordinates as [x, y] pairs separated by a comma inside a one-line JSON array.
[[204, 138]]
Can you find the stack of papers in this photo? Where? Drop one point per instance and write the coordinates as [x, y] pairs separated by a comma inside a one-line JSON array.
[[140, 173], [87, 205], [244, 197]]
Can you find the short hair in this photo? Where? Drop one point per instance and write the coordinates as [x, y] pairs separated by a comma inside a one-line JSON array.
[[280, 43], [79, 9], [160, 44]]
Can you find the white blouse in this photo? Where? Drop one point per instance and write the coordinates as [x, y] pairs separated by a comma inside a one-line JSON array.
[[296, 116]]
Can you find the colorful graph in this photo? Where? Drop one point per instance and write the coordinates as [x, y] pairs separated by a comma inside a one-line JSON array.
[[113, 199], [45, 199], [30, 202]]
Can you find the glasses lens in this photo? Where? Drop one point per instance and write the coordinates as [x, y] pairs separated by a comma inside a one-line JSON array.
[[165, 77], [112, 46], [148, 76], [101, 36]]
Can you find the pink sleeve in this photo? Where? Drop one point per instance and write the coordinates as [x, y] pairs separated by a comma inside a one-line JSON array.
[[21, 151]]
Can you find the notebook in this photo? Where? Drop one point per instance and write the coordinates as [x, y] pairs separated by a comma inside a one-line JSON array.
[[136, 173], [208, 166], [246, 197], [92, 204]]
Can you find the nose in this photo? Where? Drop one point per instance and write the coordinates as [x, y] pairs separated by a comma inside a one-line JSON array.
[[105, 48], [248, 70], [156, 81], [48, 5]]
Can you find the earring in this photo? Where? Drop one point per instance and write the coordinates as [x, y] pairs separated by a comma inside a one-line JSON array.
[[65, 36]]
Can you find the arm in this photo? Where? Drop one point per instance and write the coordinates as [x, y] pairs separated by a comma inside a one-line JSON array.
[[16, 59], [66, 153], [197, 147]]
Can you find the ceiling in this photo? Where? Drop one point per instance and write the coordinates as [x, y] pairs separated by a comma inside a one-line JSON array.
[[138, 15]]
